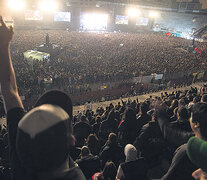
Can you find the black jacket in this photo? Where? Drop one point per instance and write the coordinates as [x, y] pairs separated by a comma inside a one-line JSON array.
[[107, 127], [142, 120], [89, 165], [113, 153], [175, 136], [150, 141], [134, 170]]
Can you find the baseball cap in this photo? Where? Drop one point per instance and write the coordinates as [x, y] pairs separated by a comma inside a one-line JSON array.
[[197, 152], [56, 97], [42, 138]]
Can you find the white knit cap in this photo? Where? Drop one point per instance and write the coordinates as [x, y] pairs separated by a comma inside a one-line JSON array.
[[130, 152]]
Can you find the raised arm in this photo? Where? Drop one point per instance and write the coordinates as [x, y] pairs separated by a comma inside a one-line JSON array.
[[7, 75]]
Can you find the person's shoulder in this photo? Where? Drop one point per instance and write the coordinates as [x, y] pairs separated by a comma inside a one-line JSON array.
[[180, 152], [182, 148], [104, 123], [73, 174]]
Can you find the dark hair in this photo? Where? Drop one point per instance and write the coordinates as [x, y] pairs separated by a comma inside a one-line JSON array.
[[112, 138], [111, 116], [98, 119], [129, 115], [200, 116], [144, 107], [183, 113], [83, 118], [85, 151], [92, 140], [109, 171]]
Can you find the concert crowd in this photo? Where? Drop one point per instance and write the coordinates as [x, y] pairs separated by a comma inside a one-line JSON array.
[[130, 140], [90, 58]]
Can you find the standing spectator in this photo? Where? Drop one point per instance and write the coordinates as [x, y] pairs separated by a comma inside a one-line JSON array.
[[182, 121], [88, 106]]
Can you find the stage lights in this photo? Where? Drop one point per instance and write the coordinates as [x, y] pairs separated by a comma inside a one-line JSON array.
[[133, 12], [16, 4], [153, 14], [94, 21], [48, 5]]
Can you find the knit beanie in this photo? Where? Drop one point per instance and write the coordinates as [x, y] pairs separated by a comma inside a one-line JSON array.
[[130, 152]]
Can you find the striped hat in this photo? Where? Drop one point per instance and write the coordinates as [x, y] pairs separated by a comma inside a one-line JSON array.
[[43, 135]]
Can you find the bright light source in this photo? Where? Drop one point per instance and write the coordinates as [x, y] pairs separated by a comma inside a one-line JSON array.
[[16, 4], [48, 5], [153, 14], [133, 12], [94, 21]]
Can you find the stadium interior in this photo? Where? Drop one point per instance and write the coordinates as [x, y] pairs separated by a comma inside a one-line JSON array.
[[110, 57]]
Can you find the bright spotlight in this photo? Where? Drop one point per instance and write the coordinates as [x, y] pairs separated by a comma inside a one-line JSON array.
[[153, 14], [48, 5], [133, 12], [94, 21], [16, 4]]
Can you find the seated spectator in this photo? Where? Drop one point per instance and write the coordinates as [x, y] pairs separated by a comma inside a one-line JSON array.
[[112, 151], [96, 125], [132, 168], [88, 163], [75, 152], [93, 144], [108, 173], [174, 104], [182, 121], [197, 153], [150, 142], [108, 126], [143, 118], [127, 130], [82, 130]]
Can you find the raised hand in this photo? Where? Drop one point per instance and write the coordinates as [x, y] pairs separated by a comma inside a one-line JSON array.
[[6, 33]]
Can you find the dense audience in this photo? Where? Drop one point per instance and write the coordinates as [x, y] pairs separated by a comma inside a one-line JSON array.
[[90, 58], [124, 141], [153, 143]]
